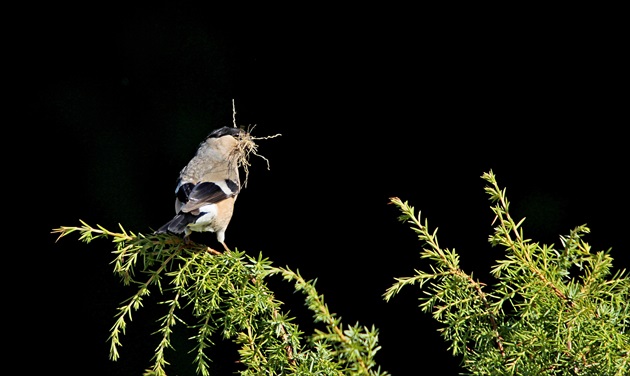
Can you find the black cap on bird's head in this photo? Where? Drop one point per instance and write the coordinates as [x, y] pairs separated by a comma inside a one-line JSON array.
[[225, 131]]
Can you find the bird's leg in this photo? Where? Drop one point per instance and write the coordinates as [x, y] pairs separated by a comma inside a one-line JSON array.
[[226, 247]]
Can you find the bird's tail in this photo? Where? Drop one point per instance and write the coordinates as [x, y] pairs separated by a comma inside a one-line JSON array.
[[177, 225]]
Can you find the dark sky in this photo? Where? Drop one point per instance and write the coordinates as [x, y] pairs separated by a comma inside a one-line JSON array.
[[371, 103]]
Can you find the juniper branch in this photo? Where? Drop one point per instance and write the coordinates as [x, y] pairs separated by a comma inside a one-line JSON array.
[[520, 247], [559, 322], [446, 265], [358, 345]]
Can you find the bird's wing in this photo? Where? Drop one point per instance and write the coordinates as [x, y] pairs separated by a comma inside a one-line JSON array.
[[193, 196]]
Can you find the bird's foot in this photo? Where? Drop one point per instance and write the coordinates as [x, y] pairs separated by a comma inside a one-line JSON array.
[[213, 251]]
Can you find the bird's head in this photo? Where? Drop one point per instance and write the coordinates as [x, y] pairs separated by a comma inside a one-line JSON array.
[[239, 145]]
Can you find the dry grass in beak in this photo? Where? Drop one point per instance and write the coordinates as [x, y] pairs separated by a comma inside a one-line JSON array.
[[245, 147]]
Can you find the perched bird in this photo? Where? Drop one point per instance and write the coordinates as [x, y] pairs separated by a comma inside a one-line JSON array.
[[209, 184]]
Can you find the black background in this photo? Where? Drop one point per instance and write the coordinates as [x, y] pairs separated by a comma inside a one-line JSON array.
[[371, 102]]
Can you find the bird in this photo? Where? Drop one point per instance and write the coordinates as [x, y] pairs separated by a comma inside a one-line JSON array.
[[207, 187]]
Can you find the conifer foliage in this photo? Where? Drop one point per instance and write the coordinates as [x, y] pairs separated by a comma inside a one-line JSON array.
[[550, 311], [228, 295]]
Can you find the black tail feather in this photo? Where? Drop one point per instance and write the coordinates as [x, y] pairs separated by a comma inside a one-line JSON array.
[[178, 224]]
